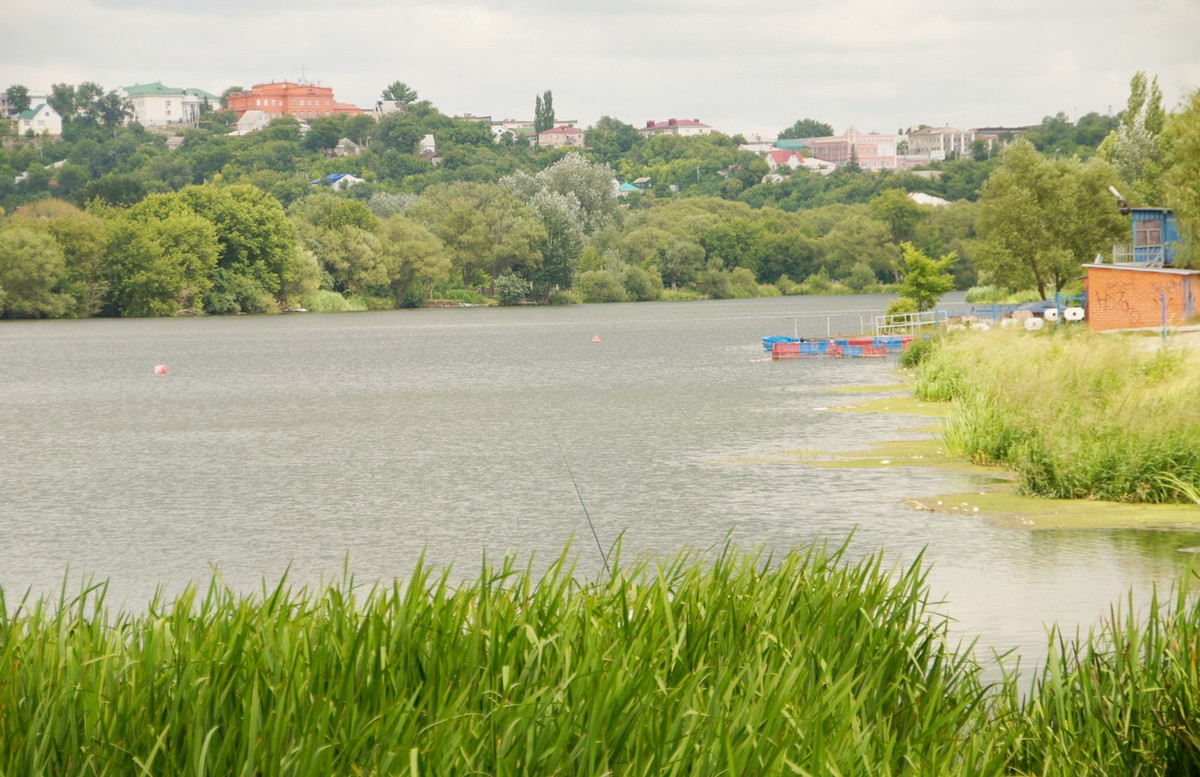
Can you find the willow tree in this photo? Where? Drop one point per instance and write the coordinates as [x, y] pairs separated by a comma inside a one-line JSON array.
[[485, 228], [31, 266]]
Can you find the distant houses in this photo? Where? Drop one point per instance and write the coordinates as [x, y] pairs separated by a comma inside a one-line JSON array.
[[338, 181], [40, 119], [685, 127], [792, 159], [251, 121], [155, 104], [347, 147], [874, 151], [557, 137]]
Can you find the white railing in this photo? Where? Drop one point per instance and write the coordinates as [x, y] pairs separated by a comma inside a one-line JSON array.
[[905, 323], [1146, 256]]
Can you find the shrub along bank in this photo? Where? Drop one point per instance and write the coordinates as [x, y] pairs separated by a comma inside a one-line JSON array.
[[1074, 414]]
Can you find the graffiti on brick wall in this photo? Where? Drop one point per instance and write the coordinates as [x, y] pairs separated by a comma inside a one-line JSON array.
[[1115, 297]]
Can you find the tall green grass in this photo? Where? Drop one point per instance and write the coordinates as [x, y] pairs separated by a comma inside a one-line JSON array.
[[1075, 415], [737, 664], [1123, 700], [729, 665]]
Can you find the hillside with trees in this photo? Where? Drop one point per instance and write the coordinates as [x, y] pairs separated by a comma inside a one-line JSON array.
[[116, 219]]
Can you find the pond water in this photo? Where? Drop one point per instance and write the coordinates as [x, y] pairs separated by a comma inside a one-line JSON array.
[[306, 443]]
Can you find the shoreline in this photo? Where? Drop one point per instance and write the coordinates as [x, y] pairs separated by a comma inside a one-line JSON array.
[[998, 501]]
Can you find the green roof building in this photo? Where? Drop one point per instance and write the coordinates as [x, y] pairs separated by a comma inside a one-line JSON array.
[[155, 104]]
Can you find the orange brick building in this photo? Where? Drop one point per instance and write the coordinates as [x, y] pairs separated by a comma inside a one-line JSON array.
[[1129, 297], [303, 101]]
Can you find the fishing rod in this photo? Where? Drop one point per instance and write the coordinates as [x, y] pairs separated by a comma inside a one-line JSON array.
[[592, 526]]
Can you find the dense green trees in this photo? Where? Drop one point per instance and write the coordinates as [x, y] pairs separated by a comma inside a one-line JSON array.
[[83, 239], [31, 267], [485, 228], [610, 140], [1041, 218], [1181, 179]]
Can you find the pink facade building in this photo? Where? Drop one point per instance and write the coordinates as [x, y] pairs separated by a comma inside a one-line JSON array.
[[873, 152], [561, 136]]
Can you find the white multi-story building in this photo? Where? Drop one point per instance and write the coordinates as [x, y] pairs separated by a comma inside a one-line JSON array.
[[936, 143], [157, 105]]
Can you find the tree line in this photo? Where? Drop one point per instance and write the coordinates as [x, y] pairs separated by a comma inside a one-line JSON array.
[[110, 221]]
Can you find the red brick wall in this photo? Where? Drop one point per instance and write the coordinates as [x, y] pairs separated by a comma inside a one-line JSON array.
[[1127, 298], [285, 99]]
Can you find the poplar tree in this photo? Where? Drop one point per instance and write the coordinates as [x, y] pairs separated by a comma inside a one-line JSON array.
[[1136, 146], [543, 112]]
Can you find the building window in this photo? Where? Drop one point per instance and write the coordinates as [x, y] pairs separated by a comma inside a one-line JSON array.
[[1147, 233]]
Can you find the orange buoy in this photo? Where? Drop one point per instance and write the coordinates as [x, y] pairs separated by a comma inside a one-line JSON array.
[[160, 369], [596, 338]]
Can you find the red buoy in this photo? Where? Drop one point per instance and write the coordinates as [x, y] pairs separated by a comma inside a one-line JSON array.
[[160, 369], [596, 338]]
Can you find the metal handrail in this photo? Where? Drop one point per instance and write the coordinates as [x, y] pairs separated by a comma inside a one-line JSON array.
[[1145, 256], [905, 323]]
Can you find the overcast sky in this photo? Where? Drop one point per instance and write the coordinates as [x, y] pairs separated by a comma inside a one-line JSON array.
[[740, 66]]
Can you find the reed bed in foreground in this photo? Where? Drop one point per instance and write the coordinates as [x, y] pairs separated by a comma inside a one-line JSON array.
[[1125, 700], [737, 664], [1074, 414], [731, 665]]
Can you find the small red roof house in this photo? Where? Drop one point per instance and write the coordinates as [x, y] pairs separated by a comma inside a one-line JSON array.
[[793, 159], [675, 127], [784, 157], [560, 136]]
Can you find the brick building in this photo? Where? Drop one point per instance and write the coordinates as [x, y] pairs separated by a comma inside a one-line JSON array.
[[285, 98], [1131, 297]]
